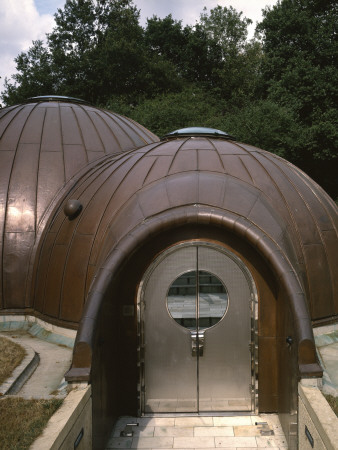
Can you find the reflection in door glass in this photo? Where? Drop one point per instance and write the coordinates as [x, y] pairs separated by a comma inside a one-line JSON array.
[[213, 300], [182, 300]]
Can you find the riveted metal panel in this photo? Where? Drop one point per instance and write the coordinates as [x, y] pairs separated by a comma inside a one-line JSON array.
[[21, 200], [74, 281]]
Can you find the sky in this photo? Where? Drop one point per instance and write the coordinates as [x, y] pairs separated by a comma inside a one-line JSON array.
[[22, 21]]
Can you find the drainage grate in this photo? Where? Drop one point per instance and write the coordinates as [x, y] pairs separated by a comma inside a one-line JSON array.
[[128, 430], [264, 429]]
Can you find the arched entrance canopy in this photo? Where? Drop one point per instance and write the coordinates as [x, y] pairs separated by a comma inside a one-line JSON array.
[[196, 214]]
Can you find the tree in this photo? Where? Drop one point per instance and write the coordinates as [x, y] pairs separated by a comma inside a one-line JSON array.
[[266, 125], [237, 75], [193, 106], [300, 72], [226, 27], [95, 51], [34, 77], [188, 48], [96, 48]]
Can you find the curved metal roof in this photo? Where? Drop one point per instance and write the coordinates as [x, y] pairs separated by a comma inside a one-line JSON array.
[[125, 192], [46, 144]]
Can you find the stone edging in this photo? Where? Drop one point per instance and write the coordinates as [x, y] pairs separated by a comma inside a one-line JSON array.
[[38, 328], [22, 372], [321, 414], [66, 423]]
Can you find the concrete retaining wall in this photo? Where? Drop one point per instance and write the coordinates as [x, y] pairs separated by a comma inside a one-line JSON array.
[[71, 426], [317, 423], [38, 328]]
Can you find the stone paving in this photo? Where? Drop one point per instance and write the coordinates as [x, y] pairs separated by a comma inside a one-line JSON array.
[[47, 378], [203, 433]]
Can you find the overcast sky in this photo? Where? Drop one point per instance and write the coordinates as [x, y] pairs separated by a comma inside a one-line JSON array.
[[22, 21]]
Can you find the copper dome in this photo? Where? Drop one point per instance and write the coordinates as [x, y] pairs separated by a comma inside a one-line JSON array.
[[44, 146], [122, 193], [91, 199]]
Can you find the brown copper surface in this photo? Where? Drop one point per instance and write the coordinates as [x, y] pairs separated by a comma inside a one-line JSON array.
[[123, 191], [43, 146], [139, 196]]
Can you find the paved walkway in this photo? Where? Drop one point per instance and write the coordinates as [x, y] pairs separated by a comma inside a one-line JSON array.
[[203, 433], [48, 376]]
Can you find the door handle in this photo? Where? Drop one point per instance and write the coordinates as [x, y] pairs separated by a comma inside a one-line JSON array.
[[197, 343]]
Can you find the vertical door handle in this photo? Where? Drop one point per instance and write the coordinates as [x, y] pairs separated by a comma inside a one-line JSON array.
[[197, 343]]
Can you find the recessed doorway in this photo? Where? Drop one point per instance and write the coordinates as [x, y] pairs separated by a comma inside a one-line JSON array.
[[197, 326]]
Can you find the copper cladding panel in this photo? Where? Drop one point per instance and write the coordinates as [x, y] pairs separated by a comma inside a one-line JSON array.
[[251, 183], [43, 145], [164, 176]]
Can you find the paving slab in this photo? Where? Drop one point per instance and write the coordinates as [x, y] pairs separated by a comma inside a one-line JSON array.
[[200, 432]]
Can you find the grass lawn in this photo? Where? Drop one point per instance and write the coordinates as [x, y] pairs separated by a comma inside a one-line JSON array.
[[22, 420], [333, 402], [11, 355]]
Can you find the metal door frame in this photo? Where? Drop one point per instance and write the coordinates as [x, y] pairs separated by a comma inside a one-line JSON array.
[[254, 327]]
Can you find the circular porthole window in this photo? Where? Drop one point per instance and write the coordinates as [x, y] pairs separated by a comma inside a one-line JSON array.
[[197, 300]]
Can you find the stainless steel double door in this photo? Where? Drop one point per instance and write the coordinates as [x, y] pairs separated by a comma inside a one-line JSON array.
[[196, 332]]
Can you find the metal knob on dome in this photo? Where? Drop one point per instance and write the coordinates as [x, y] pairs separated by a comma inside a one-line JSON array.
[[72, 208]]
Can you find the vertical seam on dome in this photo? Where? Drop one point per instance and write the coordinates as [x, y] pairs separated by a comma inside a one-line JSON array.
[[63, 146], [306, 182], [293, 221], [44, 237], [29, 272], [74, 233], [176, 153], [94, 126], [277, 188], [136, 130], [126, 158], [247, 170], [11, 120], [80, 132], [316, 225], [114, 118], [5, 209], [150, 169], [7, 195], [219, 156], [111, 198], [38, 171], [50, 255], [144, 129], [104, 121], [58, 200]]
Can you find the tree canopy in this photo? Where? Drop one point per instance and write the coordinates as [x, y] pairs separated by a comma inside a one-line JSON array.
[[277, 91]]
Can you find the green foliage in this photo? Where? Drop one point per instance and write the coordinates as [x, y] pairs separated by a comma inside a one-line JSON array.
[[34, 76], [267, 125], [226, 27], [278, 91], [300, 72], [96, 48], [167, 112]]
